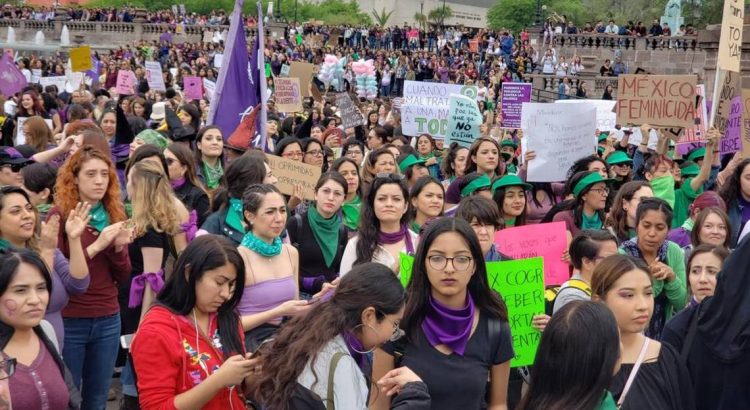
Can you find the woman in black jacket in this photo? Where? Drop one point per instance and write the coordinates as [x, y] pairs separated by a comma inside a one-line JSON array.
[[184, 181]]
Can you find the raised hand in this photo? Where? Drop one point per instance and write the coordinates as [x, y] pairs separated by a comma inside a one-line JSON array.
[[77, 220], [49, 232]]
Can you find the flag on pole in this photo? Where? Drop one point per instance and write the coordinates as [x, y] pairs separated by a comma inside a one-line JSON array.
[[259, 75], [12, 79]]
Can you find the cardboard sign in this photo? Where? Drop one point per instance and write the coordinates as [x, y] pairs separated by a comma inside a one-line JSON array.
[[73, 81], [658, 100], [193, 87], [288, 95], [290, 173], [20, 135], [698, 131], [463, 121], [303, 71], [560, 134], [730, 42], [474, 46], [521, 285], [125, 82], [512, 97], [154, 77], [731, 139], [57, 81], [426, 106], [350, 115], [80, 58], [606, 119], [548, 241], [730, 87]]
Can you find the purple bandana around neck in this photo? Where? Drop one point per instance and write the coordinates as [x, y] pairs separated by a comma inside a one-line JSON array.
[[355, 348], [178, 183], [451, 327], [395, 237]]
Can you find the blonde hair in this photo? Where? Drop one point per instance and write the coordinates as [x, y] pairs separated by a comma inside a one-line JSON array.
[[153, 200], [39, 135]]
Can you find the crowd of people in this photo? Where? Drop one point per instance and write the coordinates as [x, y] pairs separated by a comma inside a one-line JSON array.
[[135, 235]]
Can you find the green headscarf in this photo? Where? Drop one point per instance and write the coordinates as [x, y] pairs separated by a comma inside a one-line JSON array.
[[351, 212], [152, 137], [663, 188], [326, 233]]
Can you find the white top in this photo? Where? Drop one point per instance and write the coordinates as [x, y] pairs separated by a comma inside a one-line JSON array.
[[349, 385], [381, 255]]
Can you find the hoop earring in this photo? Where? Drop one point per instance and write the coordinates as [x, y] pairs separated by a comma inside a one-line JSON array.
[[352, 331]]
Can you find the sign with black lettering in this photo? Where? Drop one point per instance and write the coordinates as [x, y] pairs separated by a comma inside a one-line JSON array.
[[659, 100], [292, 173]]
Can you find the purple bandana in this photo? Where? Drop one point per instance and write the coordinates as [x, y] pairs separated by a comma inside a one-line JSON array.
[[395, 237], [451, 327]]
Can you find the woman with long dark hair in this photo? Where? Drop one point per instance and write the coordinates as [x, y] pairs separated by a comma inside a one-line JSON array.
[[621, 218], [454, 164], [509, 192], [189, 351], [209, 156], [426, 202], [736, 194], [455, 324], [428, 152], [187, 187], [350, 209], [587, 211]]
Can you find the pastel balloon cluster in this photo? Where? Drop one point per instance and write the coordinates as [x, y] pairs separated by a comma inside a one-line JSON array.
[[364, 73], [332, 71]]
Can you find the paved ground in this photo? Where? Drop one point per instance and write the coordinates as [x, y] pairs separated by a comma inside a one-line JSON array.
[[115, 404]]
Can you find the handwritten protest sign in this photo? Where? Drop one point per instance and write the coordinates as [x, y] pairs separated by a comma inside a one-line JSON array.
[[521, 285], [80, 59], [426, 106], [20, 135], [154, 77], [36, 74], [288, 96], [290, 173], [303, 71], [746, 123], [730, 42], [193, 86], [284, 70], [350, 115], [560, 134], [512, 97], [547, 240], [463, 121], [660, 100], [606, 119], [209, 88], [729, 88], [406, 264], [218, 60], [125, 82], [698, 131], [57, 81], [73, 81]]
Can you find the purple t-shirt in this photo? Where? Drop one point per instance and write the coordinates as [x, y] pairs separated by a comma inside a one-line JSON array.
[[39, 385], [63, 285]]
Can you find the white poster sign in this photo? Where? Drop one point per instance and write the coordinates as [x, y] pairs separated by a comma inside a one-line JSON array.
[[154, 76], [606, 119], [426, 106]]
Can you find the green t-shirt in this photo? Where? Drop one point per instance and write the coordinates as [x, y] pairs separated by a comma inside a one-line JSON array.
[[684, 196]]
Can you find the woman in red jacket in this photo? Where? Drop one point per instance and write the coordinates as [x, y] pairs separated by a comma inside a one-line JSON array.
[[189, 348]]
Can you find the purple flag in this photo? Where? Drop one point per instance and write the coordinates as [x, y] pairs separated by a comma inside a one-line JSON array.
[[235, 94], [11, 78]]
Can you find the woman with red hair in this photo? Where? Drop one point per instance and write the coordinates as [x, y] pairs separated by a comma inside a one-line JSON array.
[[92, 319]]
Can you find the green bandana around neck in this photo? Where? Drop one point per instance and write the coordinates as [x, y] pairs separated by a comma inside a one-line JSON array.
[[663, 188], [688, 225], [415, 227], [510, 222], [5, 244], [234, 215], [99, 217], [212, 175], [326, 233], [608, 402], [43, 209], [257, 245], [351, 212], [591, 222]]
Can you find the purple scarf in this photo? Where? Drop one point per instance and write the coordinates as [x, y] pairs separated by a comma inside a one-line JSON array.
[[451, 327], [395, 237], [355, 348], [745, 208], [178, 183]]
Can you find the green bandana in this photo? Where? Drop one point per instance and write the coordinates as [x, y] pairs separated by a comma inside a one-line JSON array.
[[5, 244], [415, 227], [688, 225], [234, 215], [326, 233], [212, 175], [351, 212], [511, 222], [43, 210], [608, 402], [260, 247], [591, 222], [663, 188], [99, 217]]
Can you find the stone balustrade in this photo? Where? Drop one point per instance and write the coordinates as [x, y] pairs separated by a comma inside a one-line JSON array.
[[595, 41], [595, 84]]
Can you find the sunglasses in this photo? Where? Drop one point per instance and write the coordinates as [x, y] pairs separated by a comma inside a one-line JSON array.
[[13, 167]]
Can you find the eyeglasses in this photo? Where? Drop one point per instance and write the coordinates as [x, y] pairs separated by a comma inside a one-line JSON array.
[[352, 153], [314, 152], [398, 333], [601, 191], [460, 263], [13, 167], [7, 368]]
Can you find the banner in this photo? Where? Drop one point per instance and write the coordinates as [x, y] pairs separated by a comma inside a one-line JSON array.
[[730, 42], [154, 77], [80, 58], [350, 115], [426, 106], [291, 173], [193, 87], [303, 71], [658, 100], [560, 134], [512, 97], [520, 283], [12, 79], [731, 139], [606, 119], [730, 87], [125, 82], [288, 96], [548, 240], [463, 121], [57, 81]]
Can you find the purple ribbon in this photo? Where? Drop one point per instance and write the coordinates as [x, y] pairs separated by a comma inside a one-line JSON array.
[[138, 286], [191, 226]]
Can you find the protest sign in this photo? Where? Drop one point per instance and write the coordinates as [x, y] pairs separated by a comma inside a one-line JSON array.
[[746, 123], [36, 74], [209, 88], [463, 121], [730, 42], [512, 97], [658, 100], [284, 70], [125, 82], [474, 45], [80, 58], [426, 106], [729, 88], [606, 119], [73, 81], [698, 131], [731, 138], [154, 77], [303, 71], [218, 60], [20, 135], [57, 81], [350, 115], [548, 240], [193, 87], [291, 173], [560, 134], [521, 285], [288, 96], [406, 264]]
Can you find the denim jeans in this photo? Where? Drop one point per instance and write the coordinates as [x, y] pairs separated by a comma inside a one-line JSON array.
[[90, 352], [127, 379]]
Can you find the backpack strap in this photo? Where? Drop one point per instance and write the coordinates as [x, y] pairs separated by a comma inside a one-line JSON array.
[[330, 404], [580, 285]]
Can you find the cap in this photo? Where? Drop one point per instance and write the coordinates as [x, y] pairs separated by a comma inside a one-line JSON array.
[[690, 170], [479, 183], [509, 143], [152, 137], [157, 111], [410, 161], [587, 181], [696, 154], [619, 157], [11, 156], [509, 180]]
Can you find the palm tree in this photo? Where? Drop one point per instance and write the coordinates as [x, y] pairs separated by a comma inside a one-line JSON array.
[[421, 19], [382, 17], [439, 14]]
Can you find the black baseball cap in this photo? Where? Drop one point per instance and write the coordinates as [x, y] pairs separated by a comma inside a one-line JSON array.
[[11, 156]]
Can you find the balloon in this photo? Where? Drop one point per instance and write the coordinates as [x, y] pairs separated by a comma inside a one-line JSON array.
[[330, 59]]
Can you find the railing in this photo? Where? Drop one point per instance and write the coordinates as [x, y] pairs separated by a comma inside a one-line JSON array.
[[595, 84], [10, 23], [683, 43], [37, 25], [117, 27], [81, 25]]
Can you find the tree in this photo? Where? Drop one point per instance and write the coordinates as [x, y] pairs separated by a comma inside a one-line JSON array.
[[381, 18], [511, 14], [440, 14], [421, 19]]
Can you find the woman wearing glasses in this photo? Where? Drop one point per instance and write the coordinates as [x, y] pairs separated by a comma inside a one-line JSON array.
[[590, 191], [41, 379], [354, 149], [325, 352], [457, 331], [314, 154]]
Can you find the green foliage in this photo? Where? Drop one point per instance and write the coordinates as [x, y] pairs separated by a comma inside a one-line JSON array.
[[511, 14], [440, 14], [421, 19], [381, 18]]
